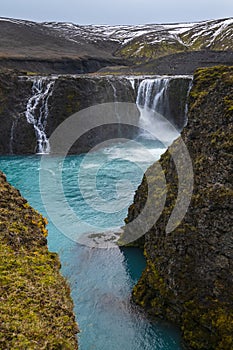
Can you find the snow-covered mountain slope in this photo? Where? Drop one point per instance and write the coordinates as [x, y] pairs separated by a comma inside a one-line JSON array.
[[167, 39], [185, 33], [136, 39], [154, 40], [26, 38], [117, 45]]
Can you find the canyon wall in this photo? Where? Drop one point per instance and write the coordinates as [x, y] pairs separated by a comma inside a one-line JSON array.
[[188, 278], [36, 307]]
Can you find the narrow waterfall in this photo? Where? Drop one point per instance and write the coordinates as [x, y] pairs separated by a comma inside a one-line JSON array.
[[37, 111], [114, 89], [12, 136], [153, 104], [132, 81], [186, 103]]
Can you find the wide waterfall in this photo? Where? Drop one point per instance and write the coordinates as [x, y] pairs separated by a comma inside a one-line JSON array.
[[155, 116], [37, 111]]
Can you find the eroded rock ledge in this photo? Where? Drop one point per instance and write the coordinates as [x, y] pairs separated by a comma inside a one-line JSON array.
[[188, 278], [36, 307]]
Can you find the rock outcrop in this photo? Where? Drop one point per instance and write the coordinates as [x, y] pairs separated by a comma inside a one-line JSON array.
[[36, 307], [70, 94], [188, 278], [14, 94], [184, 62]]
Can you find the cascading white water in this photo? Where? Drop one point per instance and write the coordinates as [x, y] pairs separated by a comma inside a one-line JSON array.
[[152, 94], [132, 81], [186, 104], [37, 111], [153, 104], [12, 136]]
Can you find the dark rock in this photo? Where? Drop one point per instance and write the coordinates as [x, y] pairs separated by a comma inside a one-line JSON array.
[[186, 62], [17, 136], [72, 94], [31, 283], [60, 66], [188, 278]]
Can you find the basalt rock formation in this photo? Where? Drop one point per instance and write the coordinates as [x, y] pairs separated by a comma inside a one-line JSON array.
[[188, 278], [69, 94], [50, 100], [36, 307]]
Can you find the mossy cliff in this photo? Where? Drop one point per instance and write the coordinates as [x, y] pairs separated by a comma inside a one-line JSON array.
[[188, 277], [36, 308]]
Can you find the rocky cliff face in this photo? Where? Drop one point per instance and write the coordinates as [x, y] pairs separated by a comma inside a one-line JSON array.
[[68, 95], [188, 278], [13, 99], [36, 307]]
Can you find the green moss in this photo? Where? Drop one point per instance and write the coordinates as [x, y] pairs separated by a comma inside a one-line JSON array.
[[141, 50], [35, 302], [188, 275], [205, 81], [222, 140], [215, 325], [36, 308], [228, 100], [30, 74], [199, 42], [72, 103]]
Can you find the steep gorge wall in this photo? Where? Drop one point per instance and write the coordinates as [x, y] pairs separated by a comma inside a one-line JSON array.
[[14, 94], [188, 278], [36, 308], [70, 94]]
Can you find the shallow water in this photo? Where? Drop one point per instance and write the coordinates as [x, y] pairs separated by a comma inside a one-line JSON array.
[[99, 188]]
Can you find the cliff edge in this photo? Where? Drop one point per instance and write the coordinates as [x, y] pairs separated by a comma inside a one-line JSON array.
[[188, 277], [36, 307]]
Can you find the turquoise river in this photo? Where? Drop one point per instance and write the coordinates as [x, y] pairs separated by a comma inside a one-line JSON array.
[[101, 279]]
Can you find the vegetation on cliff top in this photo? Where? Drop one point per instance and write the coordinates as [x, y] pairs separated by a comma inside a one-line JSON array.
[[36, 308]]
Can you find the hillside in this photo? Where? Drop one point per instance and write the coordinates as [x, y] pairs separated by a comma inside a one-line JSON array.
[[53, 47]]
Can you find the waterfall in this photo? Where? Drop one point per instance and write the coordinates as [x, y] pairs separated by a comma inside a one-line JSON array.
[[12, 136], [153, 104], [186, 104], [152, 94], [132, 81], [37, 111], [114, 90]]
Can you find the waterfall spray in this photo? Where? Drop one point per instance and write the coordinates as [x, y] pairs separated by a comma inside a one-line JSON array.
[[153, 104]]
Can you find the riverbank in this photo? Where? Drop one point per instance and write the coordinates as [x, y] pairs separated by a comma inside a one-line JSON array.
[[36, 307]]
